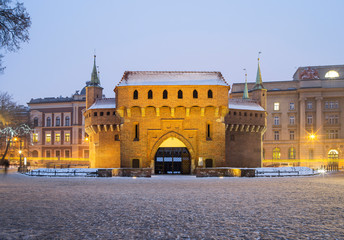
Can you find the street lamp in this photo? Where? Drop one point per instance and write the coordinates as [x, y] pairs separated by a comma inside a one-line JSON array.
[[20, 159]]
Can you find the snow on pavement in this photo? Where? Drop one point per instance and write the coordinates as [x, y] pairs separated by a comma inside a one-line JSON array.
[[172, 207]]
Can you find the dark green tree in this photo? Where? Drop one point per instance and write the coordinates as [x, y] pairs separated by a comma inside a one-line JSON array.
[[14, 27]]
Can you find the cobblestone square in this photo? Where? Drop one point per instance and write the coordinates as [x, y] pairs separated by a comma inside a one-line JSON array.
[[172, 207]]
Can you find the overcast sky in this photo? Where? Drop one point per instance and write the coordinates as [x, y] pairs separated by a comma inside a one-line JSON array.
[[173, 35]]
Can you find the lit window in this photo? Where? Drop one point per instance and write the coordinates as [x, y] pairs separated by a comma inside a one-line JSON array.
[[48, 138], [332, 74], [291, 106], [276, 106], [276, 135], [35, 137], [291, 153], [67, 137], [276, 154], [57, 137], [276, 120], [333, 154]]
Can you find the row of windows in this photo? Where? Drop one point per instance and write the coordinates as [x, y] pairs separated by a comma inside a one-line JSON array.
[[137, 136], [136, 163], [277, 135], [330, 134], [330, 119], [58, 153], [48, 137], [245, 114], [309, 105], [103, 114], [165, 94], [48, 122], [276, 153]]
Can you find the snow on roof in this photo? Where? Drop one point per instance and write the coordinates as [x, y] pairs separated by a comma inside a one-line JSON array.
[[136, 78], [104, 103], [242, 104]]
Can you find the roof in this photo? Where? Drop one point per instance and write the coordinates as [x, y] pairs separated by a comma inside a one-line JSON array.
[[104, 103], [51, 100], [243, 104], [148, 78]]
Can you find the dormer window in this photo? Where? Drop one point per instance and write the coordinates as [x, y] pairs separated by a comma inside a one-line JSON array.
[[332, 74]]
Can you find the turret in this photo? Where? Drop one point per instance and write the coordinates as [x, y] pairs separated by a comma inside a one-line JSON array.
[[245, 95], [259, 92], [93, 90]]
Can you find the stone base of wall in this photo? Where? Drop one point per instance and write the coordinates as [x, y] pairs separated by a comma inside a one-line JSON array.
[[224, 172], [125, 172]]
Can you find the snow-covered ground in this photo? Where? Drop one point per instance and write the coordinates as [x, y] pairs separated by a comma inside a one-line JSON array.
[[90, 172], [284, 171], [64, 172], [172, 207]]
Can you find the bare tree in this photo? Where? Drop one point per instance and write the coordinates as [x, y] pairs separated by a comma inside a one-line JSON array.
[[12, 122], [14, 25]]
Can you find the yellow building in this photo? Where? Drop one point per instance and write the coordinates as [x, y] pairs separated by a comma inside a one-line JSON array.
[[304, 118], [172, 122]]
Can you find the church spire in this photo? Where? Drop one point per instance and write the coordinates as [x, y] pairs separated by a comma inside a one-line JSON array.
[[94, 76], [245, 95], [259, 82]]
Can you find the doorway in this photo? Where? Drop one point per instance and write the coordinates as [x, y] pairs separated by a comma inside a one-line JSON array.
[[172, 160]]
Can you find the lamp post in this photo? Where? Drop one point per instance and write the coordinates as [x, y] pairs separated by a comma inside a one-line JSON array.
[[20, 159]]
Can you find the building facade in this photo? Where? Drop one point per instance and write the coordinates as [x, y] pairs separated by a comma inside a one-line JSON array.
[[58, 130], [304, 123], [172, 122]]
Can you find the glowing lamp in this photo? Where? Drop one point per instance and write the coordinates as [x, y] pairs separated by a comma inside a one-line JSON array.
[[20, 151]]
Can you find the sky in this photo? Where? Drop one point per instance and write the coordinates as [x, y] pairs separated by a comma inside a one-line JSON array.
[[178, 35]]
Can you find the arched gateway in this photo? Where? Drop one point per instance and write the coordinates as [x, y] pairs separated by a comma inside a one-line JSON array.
[[172, 155]]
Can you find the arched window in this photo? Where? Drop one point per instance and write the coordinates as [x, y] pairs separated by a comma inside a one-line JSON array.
[[35, 122], [165, 94], [180, 94], [276, 154], [58, 121], [136, 94], [48, 122], [195, 94], [333, 154], [150, 94], [291, 153], [210, 94], [67, 121]]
